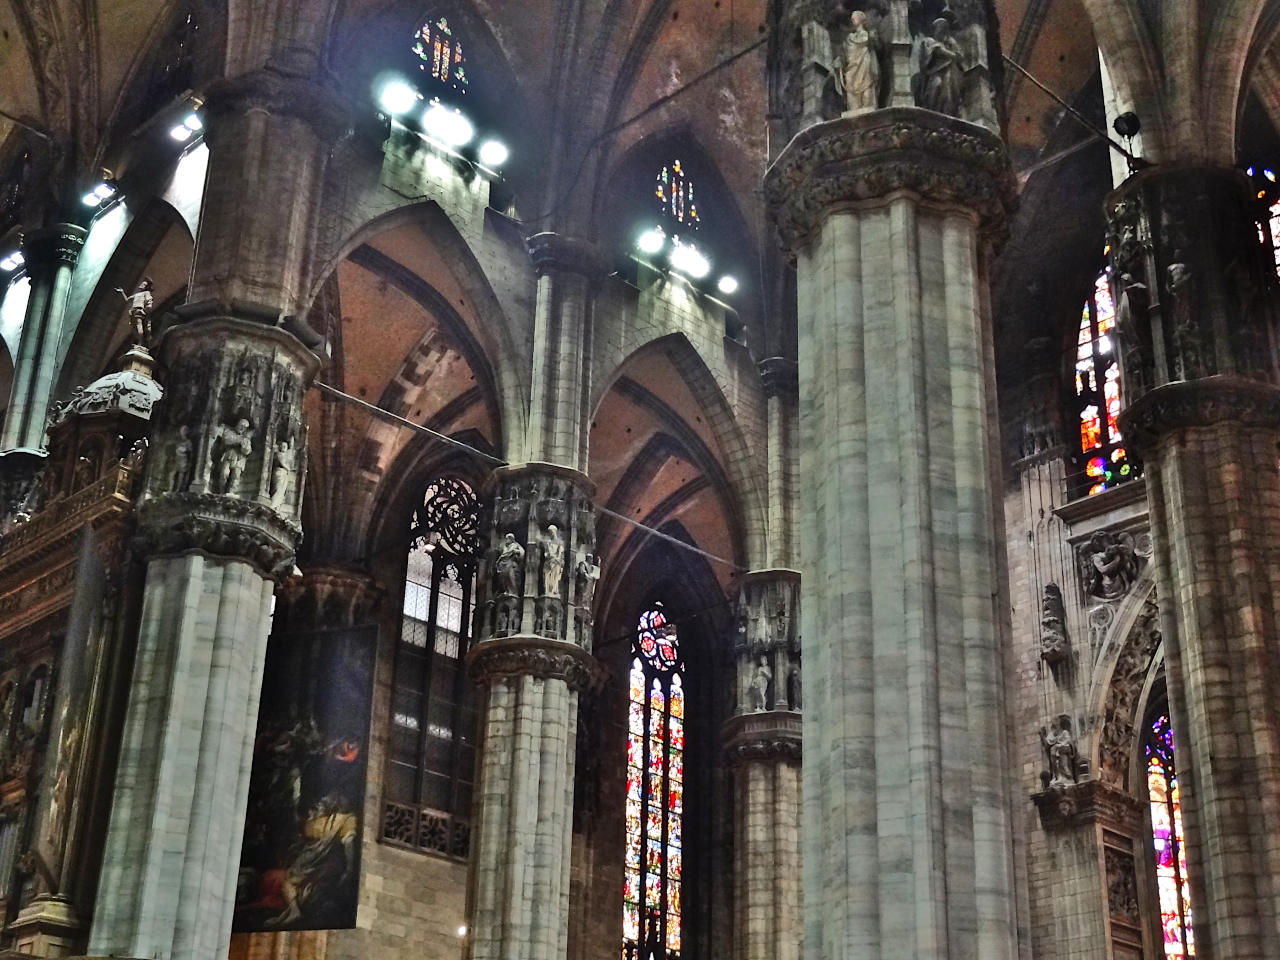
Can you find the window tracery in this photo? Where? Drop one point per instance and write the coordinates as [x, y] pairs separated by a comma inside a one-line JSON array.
[[439, 54], [1097, 384], [1167, 840], [431, 752], [674, 190], [654, 860]]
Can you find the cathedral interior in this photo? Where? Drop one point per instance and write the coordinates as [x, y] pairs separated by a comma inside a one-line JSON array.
[[432, 432]]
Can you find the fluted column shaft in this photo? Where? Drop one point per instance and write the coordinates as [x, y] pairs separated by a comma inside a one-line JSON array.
[[51, 256], [908, 845], [1198, 345], [219, 521], [533, 623]]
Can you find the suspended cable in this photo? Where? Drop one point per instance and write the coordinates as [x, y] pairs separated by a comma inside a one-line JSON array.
[[499, 462]]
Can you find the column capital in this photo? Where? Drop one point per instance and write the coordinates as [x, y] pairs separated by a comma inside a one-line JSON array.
[[228, 461], [535, 657], [775, 735], [271, 90], [331, 596], [60, 243], [555, 252], [1088, 802], [1200, 403], [864, 159], [780, 376]]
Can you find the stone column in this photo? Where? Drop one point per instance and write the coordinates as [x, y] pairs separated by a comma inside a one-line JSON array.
[[50, 255], [218, 522], [533, 624], [1197, 335], [762, 741], [908, 852]]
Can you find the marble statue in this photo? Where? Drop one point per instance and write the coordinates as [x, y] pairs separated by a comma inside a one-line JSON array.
[[552, 561], [281, 469], [140, 302], [857, 73], [508, 569], [1109, 565], [588, 576], [237, 444], [1060, 747], [758, 689], [180, 470], [939, 82]]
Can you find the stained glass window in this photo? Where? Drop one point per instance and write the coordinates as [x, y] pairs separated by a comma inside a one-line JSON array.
[[431, 752], [1274, 223], [1097, 381], [439, 54], [654, 863], [674, 191], [1166, 833]]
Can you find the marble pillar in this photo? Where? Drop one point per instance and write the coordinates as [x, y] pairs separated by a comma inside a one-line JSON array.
[[50, 259], [1196, 330], [762, 741], [532, 660], [218, 522], [892, 217]]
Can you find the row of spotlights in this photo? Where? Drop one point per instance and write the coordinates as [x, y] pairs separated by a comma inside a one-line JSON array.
[[684, 258], [448, 126], [99, 194], [183, 131], [12, 262]]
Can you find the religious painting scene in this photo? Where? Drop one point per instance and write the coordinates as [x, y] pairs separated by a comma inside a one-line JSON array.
[[651, 480]]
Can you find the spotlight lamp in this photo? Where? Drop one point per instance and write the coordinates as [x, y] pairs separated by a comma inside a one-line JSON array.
[[494, 153], [397, 98], [99, 194], [450, 127], [688, 260], [1127, 125], [652, 240], [182, 132], [727, 284], [12, 262]]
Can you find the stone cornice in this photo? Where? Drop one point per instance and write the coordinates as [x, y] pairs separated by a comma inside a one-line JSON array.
[[901, 149], [526, 656], [1200, 403], [173, 524], [1088, 802], [512, 471], [557, 252], [772, 736]]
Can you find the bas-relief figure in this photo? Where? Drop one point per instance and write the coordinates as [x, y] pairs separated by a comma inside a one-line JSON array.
[[588, 575], [1109, 565], [857, 68], [281, 470], [1054, 647]]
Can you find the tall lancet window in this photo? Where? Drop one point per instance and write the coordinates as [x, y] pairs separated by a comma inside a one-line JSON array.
[[1166, 831], [653, 868], [1102, 448], [431, 752]]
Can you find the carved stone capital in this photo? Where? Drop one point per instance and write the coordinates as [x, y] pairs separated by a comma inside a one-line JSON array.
[[1200, 403], [554, 252], [539, 573], [772, 737], [535, 657], [780, 376], [330, 597], [854, 160], [1088, 802], [276, 90], [52, 246], [171, 524]]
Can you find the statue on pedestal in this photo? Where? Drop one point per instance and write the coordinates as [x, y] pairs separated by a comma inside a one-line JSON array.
[[141, 302], [857, 73], [939, 82]]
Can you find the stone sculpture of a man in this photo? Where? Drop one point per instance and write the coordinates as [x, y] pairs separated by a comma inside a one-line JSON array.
[[940, 82], [759, 689], [552, 561], [857, 74], [237, 444], [140, 302], [509, 567]]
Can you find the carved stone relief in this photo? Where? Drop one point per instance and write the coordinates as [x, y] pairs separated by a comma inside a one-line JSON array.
[[1127, 680], [1059, 743], [1110, 563], [1054, 645], [1122, 886], [766, 642]]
